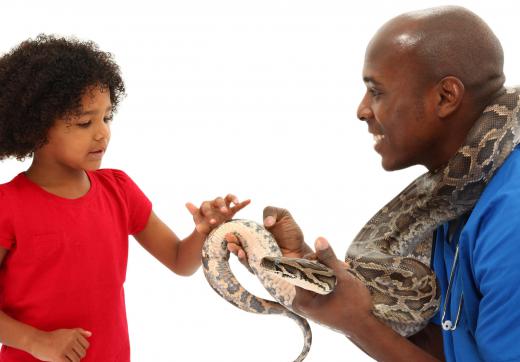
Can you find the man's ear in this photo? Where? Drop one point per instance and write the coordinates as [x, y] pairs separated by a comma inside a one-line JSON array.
[[450, 91]]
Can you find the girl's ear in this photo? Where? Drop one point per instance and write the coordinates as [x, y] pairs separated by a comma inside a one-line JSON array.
[[450, 91]]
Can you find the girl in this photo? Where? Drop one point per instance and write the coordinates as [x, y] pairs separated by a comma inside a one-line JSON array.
[[64, 223]]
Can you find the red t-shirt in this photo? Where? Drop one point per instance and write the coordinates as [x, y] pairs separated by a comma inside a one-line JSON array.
[[66, 263]]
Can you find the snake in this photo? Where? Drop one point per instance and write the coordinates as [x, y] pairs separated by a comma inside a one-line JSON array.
[[391, 254]]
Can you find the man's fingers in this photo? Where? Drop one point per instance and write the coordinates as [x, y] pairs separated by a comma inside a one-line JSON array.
[[302, 299], [231, 238], [325, 253], [310, 256], [233, 248], [273, 214]]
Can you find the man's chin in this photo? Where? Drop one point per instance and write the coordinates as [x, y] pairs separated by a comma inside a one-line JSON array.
[[394, 165]]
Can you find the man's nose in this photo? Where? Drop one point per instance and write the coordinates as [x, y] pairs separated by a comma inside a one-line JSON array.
[[364, 112]]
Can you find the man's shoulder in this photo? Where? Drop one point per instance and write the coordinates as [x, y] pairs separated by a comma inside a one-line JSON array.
[[506, 180]]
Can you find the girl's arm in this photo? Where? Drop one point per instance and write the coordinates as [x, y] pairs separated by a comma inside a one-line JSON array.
[[59, 345], [183, 257]]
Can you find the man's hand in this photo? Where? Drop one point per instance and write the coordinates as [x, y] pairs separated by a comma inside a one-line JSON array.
[[61, 345], [285, 230], [213, 213], [343, 309]]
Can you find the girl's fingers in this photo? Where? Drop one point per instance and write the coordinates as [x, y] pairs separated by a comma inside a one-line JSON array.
[[220, 204], [192, 208], [80, 351], [72, 356], [240, 206], [205, 209], [230, 198], [84, 343]]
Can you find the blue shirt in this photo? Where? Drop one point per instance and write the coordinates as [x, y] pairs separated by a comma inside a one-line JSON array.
[[487, 273]]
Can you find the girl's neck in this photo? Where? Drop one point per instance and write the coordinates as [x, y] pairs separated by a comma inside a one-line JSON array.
[[60, 181]]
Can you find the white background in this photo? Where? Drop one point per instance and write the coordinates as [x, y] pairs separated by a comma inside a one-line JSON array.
[[257, 98]]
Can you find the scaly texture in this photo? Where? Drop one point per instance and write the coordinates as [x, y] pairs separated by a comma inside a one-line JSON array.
[[257, 243]]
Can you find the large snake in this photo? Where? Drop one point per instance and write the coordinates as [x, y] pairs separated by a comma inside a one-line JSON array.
[[391, 254]]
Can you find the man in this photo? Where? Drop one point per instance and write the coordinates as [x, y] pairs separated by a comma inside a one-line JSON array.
[[429, 76]]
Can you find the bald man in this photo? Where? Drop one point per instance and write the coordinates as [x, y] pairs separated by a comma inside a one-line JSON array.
[[429, 75]]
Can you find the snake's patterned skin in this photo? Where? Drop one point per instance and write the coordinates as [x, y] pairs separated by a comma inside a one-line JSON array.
[[391, 254], [257, 242]]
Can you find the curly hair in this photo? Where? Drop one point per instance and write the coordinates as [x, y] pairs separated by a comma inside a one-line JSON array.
[[43, 80]]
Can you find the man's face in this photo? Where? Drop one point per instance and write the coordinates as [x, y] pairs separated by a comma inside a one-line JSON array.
[[397, 108]]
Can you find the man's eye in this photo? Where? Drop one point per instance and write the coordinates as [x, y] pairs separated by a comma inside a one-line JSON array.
[[374, 92], [84, 124], [108, 119]]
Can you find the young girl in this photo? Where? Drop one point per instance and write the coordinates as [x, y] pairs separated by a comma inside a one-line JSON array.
[[64, 223]]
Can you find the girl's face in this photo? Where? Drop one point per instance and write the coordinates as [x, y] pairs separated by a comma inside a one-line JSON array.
[[80, 142]]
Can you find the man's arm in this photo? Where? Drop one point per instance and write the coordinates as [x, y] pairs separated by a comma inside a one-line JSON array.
[[348, 309], [430, 340]]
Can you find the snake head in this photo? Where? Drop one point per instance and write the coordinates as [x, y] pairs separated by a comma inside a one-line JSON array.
[[303, 273]]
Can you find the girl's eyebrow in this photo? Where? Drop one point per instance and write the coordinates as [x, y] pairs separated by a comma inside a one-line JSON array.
[[91, 112]]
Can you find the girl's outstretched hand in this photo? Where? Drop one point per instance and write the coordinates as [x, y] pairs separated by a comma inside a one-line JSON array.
[[210, 214]]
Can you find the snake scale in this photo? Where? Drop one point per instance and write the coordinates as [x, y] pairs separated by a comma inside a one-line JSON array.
[[392, 252]]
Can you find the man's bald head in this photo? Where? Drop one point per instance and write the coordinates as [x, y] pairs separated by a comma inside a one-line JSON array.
[[445, 41]]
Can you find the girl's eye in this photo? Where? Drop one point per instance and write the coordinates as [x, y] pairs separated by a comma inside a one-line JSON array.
[[84, 124], [108, 119]]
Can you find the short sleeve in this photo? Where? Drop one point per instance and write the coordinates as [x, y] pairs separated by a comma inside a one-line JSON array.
[[495, 258], [7, 237], [138, 205]]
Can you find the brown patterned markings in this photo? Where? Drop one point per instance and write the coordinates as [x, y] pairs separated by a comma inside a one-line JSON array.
[[446, 190], [459, 166], [426, 288], [404, 220], [405, 292], [486, 151], [471, 191], [413, 304], [380, 297], [256, 304], [404, 282], [369, 273]]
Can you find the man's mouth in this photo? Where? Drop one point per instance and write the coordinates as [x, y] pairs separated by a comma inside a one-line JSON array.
[[378, 138]]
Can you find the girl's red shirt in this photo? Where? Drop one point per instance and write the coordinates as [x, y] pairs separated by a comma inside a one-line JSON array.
[[67, 258]]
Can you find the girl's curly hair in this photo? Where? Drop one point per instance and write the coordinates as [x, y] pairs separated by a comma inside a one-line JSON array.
[[43, 80]]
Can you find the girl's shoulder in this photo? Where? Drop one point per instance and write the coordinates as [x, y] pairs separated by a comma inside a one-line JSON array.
[[10, 188], [113, 178], [110, 174]]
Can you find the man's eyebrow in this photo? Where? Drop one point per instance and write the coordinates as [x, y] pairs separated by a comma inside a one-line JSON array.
[[89, 113], [371, 80]]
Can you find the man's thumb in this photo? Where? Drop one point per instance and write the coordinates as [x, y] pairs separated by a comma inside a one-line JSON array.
[[325, 253]]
